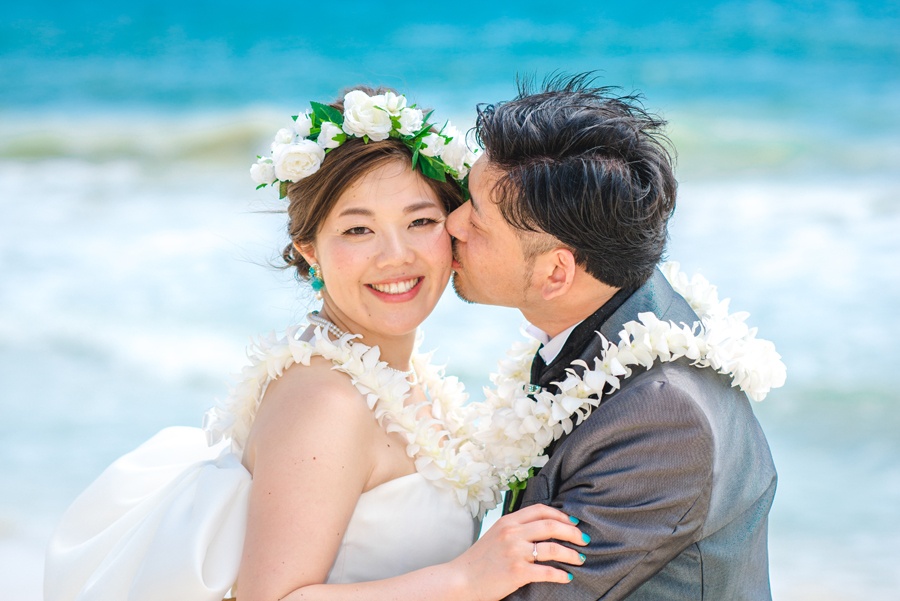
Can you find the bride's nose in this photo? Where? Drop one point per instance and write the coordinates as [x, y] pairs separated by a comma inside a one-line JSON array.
[[395, 250]]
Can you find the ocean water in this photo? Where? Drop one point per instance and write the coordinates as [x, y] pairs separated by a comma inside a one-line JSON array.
[[135, 255]]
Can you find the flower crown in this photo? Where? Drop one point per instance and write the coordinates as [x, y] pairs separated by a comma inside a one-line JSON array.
[[298, 152]]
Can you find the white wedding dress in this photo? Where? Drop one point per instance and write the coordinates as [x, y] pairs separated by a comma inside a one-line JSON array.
[[167, 521]]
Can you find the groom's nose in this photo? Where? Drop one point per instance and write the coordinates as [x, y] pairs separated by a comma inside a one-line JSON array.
[[457, 220]]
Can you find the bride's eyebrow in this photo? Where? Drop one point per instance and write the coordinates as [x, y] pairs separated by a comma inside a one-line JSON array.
[[425, 204], [365, 212], [357, 211]]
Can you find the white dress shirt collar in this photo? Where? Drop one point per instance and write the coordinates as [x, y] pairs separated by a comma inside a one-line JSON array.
[[552, 346]]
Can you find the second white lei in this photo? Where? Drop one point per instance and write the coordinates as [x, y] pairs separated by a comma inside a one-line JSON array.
[[479, 449]]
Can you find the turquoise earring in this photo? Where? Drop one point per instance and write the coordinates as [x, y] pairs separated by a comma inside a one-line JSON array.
[[315, 279]]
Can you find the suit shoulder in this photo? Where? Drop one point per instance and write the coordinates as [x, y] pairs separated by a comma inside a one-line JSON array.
[[666, 389]]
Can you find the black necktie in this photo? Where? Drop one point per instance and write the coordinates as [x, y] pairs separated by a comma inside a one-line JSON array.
[[537, 366]]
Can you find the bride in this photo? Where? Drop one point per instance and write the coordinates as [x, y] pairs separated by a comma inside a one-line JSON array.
[[321, 477]]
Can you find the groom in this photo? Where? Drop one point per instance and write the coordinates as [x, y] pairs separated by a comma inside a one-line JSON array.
[[671, 475]]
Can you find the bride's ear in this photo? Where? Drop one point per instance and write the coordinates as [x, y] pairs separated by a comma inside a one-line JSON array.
[[558, 272], [307, 251]]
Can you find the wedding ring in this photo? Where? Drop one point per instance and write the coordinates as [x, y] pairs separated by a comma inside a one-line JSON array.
[[534, 554]]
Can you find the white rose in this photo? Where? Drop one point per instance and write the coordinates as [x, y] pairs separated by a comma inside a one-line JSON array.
[[263, 171], [432, 145], [302, 125], [326, 136], [411, 121], [394, 104], [293, 162], [456, 154], [363, 117]]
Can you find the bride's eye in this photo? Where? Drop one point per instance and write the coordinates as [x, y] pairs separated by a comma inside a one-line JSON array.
[[357, 231], [423, 221]]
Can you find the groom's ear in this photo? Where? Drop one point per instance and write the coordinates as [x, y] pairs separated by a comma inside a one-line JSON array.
[[558, 272]]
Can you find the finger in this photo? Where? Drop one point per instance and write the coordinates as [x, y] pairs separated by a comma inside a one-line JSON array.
[[547, 529], [548, 551], [542, 573], [541, 512]]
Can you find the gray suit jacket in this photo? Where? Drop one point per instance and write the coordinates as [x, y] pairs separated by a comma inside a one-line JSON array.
[[671, 477]]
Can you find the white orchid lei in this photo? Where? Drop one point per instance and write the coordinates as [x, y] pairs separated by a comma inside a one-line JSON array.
[[481, 449], [386, 391], [513, 426], [298, 152]]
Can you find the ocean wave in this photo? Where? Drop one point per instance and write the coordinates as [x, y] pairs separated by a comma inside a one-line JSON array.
[[153, 136], [710, 141]]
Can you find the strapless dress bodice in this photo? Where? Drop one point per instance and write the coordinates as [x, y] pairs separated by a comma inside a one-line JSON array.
[[400, 526]]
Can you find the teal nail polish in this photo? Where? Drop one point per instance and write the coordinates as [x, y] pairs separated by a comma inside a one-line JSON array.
[[582, 557], [585, 537], [573, 519], [570, 577]]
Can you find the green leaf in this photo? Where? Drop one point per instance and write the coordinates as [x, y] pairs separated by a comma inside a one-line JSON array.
[[432, 168], [282, 190], [425, 127], [261, 186], [327, 113]]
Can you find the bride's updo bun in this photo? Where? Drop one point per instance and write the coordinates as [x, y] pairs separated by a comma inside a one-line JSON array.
[[311, 199]]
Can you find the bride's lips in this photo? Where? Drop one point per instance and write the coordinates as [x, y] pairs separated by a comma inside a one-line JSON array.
[[397, 290]]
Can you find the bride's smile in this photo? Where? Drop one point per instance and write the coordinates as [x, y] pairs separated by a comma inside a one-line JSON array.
[[396, 290]]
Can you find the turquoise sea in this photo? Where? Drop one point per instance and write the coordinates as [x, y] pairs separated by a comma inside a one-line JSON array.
[[134, 252]]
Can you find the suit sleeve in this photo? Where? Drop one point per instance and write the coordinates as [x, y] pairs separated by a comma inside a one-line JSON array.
[[638, 474]]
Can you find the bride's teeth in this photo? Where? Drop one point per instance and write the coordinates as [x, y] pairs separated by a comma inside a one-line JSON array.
[[396, 287]]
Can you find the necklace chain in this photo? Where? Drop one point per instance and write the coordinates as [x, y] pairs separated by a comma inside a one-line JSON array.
[[314, 318]]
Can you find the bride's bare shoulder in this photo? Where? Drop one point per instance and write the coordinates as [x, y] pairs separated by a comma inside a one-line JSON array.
[[307, 403]]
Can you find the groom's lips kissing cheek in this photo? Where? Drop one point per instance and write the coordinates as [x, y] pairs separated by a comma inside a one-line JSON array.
[[455, 264]]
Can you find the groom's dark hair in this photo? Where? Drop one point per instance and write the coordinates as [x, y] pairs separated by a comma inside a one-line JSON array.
[[589, 167]]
